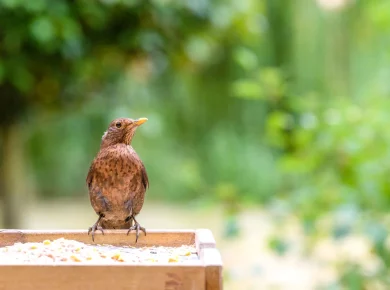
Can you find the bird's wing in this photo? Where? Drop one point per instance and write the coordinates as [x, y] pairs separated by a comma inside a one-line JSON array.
[[90, 175], [98, 201], [145, 179]]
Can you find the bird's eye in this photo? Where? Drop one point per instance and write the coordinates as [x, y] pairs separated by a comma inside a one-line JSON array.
[[118, 124]]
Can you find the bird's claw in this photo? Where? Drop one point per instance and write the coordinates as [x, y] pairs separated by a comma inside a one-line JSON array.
[[93, 229], [137, 228]]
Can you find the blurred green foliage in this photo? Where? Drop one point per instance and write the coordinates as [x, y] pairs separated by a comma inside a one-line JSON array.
[[248, 101], [77, 66]]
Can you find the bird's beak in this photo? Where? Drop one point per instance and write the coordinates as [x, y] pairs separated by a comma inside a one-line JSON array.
[[140, 121]]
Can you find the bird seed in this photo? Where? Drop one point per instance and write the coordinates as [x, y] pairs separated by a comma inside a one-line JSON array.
[[64, 251]]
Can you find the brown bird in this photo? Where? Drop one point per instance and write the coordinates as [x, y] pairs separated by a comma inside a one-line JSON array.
[[117, 179]]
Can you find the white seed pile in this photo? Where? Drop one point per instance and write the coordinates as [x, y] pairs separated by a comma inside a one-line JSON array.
[[62, 251]]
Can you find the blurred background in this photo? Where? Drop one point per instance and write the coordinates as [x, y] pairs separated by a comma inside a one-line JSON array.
[[268, 124]]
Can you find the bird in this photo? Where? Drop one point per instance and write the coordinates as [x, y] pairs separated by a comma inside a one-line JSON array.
[[117, 179]]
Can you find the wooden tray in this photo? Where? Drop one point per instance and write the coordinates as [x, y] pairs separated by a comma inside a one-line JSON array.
[[203, 274]]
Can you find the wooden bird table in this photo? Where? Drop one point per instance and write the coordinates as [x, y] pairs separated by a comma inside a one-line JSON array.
[[204, 273]]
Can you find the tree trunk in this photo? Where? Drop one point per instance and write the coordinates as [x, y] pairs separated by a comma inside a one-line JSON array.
[[12, 176]]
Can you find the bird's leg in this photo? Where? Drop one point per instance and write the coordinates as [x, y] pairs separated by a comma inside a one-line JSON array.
[[137, 228], [96, 227]]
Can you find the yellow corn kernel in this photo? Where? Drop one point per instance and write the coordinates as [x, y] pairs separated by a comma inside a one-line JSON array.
[[173, 259], [75, 259], [184, 253], [46, 242], [117, 257], [33, 247]]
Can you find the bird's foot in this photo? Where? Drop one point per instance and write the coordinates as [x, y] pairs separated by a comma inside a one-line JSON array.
[[137, 228], [94, 228]]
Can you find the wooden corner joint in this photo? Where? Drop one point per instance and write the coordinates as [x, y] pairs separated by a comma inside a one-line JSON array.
[[204, 239], [211, 259], [206, 247]]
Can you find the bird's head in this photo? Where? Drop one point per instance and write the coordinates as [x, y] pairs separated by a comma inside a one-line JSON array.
[[121, 130]]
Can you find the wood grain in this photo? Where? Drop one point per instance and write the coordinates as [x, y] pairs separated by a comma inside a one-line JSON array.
[[212, 261], [210, 257], [166, 238], [102, 277]]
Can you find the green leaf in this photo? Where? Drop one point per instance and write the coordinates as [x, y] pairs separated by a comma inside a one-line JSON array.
[[246, 58], [199, 49], [10, 3], [247, 89], [35, 6], [22, 79], [278, 245], [42, 29]]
